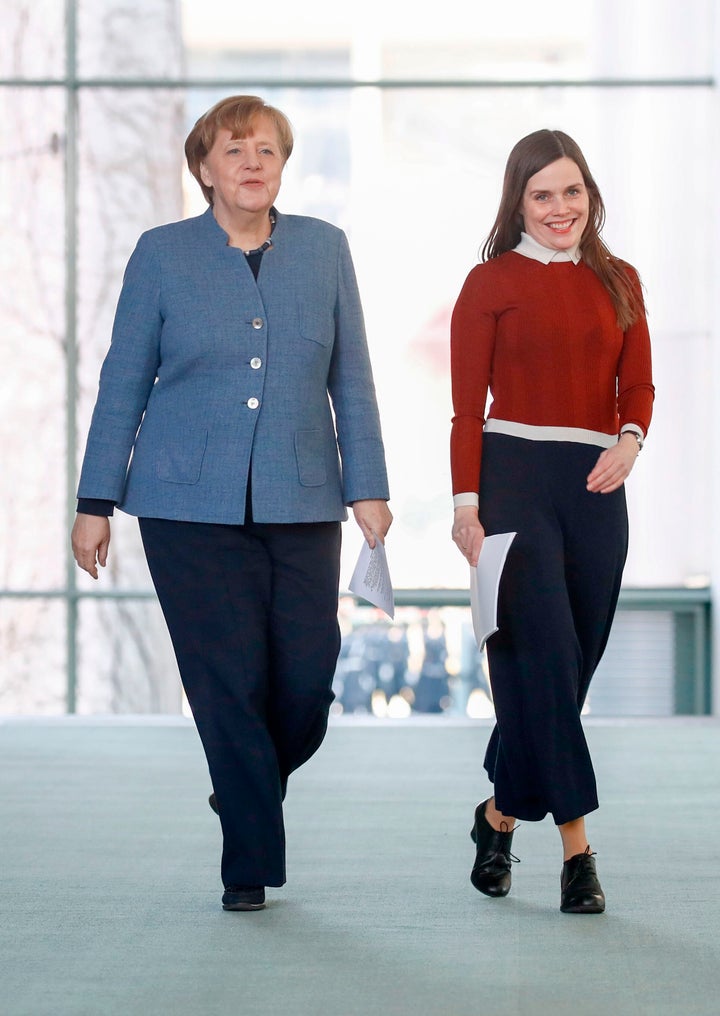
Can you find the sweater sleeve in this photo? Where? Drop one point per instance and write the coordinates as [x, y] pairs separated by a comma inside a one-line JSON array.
[[635, 388], [95, 506], [472, 343]]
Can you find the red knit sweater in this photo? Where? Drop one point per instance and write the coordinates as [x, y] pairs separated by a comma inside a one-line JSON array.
[[545, 341]]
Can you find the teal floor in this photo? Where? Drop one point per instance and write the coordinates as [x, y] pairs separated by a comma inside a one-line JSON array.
[[110, 899]]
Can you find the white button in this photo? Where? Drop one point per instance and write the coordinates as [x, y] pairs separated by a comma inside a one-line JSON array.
[[256, 363], [257, 322], [253, 403]]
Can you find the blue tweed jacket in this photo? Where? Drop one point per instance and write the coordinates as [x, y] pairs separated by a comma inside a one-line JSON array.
[[211, 374]]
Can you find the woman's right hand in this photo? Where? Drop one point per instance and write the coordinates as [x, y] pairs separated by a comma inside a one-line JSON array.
[[90, 541], [467, 533]]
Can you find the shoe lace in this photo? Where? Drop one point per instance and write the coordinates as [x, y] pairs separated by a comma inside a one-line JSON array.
[[505, 829], [584, 870], [588, 853]]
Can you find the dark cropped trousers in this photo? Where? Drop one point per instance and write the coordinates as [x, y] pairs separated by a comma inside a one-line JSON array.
[[557, 599], [252, 613]]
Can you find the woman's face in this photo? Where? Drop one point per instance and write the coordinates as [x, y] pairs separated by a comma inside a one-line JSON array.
[[555, 205], [244, 173]]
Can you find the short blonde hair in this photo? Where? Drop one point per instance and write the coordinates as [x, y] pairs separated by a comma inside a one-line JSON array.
[[237, 114]]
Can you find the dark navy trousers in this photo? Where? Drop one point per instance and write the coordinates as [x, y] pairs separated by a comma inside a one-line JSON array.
[[252, 614], [558, 594]]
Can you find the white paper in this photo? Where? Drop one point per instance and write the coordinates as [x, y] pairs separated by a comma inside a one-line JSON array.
[[371, 578], [484, 585]]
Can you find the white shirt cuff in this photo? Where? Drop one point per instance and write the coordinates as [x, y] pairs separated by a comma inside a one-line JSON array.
[[466, 500], [632, 428]]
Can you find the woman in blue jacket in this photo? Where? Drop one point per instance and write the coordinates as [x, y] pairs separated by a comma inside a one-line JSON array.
[[236, 417]]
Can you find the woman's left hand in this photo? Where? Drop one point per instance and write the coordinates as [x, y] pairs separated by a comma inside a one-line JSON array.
[[614, 465], [374, 518]]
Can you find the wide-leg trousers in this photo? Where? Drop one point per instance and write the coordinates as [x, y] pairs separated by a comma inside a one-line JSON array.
[[252, 614], [557, 599]]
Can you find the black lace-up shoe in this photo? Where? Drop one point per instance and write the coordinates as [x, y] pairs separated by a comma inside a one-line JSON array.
[[491, 871], [244, 897], [581, 893]]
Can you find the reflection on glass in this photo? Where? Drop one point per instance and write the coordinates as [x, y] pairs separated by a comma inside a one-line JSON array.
[[426, 662], [413, 176], [32, 650], [129, 39], [126, 660], [130, 151], [33, 39], [32, 338], [602, 38]]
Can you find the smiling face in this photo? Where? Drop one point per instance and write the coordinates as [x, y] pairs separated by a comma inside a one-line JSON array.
[[244, 173], [555, 205]]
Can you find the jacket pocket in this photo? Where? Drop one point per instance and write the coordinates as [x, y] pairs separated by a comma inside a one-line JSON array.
[[181, 462], [317, 324], [310, 454]]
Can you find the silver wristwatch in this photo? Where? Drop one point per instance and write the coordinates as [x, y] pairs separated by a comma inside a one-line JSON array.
[[638, 437]]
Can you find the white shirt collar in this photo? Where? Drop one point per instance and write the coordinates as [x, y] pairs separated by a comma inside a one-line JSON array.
[[530, 248]]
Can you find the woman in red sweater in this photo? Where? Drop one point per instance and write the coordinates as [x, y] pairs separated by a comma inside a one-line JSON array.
[[553, 327]]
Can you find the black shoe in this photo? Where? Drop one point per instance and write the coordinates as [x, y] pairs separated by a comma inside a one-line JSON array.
[[491, 872], [581, 893], [244, 897], [212, 801]]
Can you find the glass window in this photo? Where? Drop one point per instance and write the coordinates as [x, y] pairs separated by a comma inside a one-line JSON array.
[[126, 661], [32, 649], [33, 43], [130, 165], [426, 662], [134, 39], [32, 338], [459, 42], [411, 168]]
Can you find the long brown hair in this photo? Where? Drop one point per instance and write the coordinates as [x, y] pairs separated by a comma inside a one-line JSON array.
[[528, 157]]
